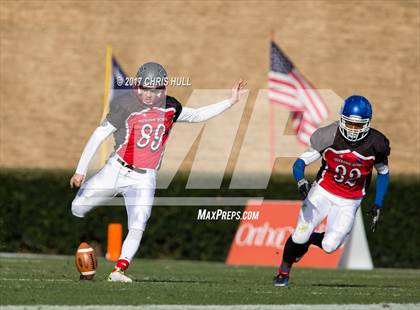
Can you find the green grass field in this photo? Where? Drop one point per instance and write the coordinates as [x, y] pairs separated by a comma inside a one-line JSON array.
[[54, 281]]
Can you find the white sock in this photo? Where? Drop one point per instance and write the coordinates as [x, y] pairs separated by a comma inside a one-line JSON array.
[[131, 244]]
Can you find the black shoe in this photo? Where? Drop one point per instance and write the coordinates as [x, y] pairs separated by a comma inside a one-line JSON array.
[[281, 280]]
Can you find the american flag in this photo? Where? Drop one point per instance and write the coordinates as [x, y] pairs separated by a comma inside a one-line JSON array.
[[288, 87], [115, 86], [118, 81]]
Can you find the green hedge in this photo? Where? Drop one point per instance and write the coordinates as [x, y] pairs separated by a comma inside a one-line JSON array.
[[35, 217]]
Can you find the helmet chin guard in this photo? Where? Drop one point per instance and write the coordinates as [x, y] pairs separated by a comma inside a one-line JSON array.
[[355, 118]]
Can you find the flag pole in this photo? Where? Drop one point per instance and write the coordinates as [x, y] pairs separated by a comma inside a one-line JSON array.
[[272, 123], [108, 68]]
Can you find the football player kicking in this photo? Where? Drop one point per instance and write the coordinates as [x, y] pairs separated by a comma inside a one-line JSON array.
[[349, 150], [140, 121]]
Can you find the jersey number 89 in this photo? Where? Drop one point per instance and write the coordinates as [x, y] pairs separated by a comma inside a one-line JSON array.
[[151, 136]]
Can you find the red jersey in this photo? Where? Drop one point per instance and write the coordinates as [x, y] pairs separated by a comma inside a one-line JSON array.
[[347, 166], [345, 172], [142, 131]]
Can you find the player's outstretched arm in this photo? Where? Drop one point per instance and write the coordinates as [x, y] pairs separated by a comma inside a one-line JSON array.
[[95, 140], [207, 112], [237, 91]]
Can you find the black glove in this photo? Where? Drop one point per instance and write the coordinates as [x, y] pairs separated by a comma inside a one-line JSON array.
[[304, 187], [374, 213]]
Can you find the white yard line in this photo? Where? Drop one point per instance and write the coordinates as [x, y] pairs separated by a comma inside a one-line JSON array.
[[217, 307], [41, 280]]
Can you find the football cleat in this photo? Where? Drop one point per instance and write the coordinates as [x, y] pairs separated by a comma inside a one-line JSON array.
[[281, 280], [119, 276]]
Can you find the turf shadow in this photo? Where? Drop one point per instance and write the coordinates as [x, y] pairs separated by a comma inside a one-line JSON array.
[[169, 281], [353, 285]]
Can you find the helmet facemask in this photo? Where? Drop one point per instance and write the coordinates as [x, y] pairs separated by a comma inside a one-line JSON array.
[[354, 128]]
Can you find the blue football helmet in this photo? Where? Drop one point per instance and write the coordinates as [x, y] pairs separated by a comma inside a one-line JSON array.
[[356, 114]]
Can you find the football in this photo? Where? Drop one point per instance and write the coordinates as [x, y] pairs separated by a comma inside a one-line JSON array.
[[86, 261]]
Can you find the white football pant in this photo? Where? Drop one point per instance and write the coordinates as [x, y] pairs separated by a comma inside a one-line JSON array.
[[340, 213], [138, 192]]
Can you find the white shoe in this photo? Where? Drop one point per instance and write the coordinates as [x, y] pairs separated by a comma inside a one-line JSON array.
[[119, 276]]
